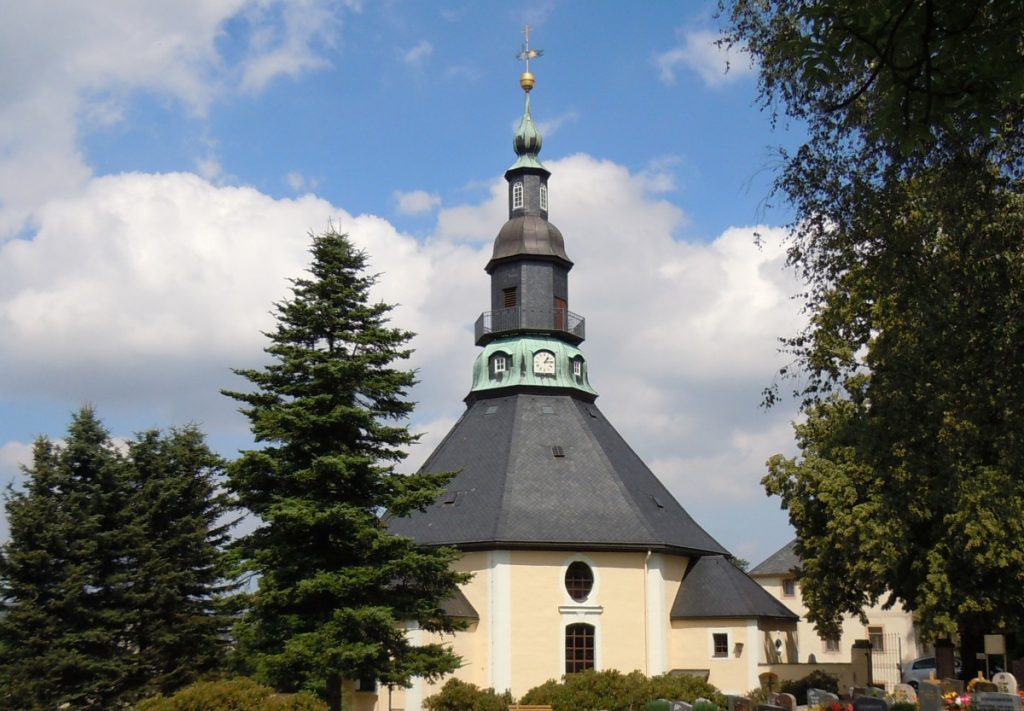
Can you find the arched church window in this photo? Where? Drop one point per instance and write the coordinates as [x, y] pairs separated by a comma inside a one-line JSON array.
[[579, 580], [543, 197], [517, 195], [579, 648]]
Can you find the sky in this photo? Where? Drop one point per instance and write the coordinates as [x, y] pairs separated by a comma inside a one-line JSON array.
[[162, 166]]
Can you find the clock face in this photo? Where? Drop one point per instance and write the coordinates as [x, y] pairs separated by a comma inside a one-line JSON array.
[[544, 363]]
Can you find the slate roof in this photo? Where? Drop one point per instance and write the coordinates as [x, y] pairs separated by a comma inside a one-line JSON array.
[[714, 587], [513, 492], [459, 606], [781, 562]]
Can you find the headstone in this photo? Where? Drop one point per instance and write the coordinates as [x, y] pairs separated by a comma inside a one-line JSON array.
[[985, 686], [786, 701], [740, 703], [870, 703], [1006, 682], [996, 701], [929, 695], [858, 691], [875, 691], [820, 697], [904, 693], [769, 707], [681, 706]]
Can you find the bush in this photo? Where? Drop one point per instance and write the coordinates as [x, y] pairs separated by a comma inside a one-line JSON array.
[[239, 694], [616, 691], [458, 695], [817, 679]]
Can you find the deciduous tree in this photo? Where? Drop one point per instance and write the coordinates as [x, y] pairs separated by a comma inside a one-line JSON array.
[[907, 231]]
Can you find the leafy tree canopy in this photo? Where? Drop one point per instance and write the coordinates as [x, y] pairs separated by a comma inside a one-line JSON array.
[[336, 588], [908, 217]]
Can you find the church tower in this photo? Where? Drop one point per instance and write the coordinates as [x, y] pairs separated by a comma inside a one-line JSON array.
[[580, 556]]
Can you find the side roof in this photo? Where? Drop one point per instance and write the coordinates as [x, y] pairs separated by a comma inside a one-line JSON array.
[[714, 587], [548, 471], [781, 562]]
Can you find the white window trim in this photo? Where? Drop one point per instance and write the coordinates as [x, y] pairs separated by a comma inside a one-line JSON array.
[[711, 645], [593, 621], [500, 361], [577, 367], [543, 197], [568, 604], [517, 195]]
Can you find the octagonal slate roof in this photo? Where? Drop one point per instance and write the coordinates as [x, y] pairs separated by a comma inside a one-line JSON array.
[[548, 471], [714, 587], [781, 562]]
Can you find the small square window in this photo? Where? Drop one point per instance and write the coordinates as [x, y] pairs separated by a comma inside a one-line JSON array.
[[500, 364], [789, 587], [877, 639], [832, 645], [721, 644], [577, 367]]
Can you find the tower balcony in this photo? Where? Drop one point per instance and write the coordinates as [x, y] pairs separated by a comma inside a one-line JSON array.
[[503, 322]]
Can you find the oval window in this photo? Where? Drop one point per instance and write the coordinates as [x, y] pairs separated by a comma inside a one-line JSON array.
[[579, 581]]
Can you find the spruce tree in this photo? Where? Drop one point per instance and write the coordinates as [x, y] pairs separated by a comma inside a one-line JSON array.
[[180, 584], [65, 632], [335, 587], [113, 569]]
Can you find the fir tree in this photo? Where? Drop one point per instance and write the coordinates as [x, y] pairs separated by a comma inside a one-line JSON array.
[[335, 586], [112, 569]]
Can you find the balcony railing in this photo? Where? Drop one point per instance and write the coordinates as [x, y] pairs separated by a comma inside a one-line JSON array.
[[493, 324]]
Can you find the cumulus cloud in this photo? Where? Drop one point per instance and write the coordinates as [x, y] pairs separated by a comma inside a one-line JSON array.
[[416, 202], [67, 66], [698, 51]]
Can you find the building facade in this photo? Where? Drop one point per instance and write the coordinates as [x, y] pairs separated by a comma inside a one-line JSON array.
[[580, 557]]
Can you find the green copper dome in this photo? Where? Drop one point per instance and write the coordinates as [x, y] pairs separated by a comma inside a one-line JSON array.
[[527, 141], [538, 361]]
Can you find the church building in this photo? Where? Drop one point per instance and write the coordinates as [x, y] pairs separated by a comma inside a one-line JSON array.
[[581, 558]]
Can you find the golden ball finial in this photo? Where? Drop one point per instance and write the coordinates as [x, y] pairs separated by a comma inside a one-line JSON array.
[[526, 81]]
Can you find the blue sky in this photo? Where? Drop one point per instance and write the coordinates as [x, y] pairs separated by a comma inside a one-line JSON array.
[[162, 164]]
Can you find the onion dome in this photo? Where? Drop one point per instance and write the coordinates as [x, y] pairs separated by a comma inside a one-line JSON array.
[[527, 141]]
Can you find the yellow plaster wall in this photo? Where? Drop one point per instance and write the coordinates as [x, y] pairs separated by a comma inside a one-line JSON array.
[[691, 647]]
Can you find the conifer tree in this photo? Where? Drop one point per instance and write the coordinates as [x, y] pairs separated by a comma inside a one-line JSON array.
[[335, 586], [113, 563]]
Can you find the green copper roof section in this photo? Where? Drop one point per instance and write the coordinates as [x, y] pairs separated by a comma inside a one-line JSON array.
[[527, 141], [519, 353]]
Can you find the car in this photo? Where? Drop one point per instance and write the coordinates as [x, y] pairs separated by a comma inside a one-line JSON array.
[[922, 668]]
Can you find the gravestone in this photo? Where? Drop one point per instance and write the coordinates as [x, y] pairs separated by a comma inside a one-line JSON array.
[[929, 695], [996, 701], [876, 691], [820, 697], [981, 687], [769, 707], [904, 692], [1006, 682], [681, 706], [870, 703], [858, 691], [786, 701], [740, 703]]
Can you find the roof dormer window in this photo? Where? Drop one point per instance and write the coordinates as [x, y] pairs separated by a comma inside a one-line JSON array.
[[517, 195]]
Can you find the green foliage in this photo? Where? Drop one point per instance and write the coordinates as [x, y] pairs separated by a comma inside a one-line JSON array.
[[112, 571], [817, 679], [908, 209], [240, 694], [329, 412], [616, 691], [904, 706], [705, 706], [458, 695]]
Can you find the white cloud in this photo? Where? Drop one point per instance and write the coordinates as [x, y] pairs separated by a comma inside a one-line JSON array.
[[699, 52], [416, 202], [417, 55], [72, 65], [549, 127], [13, 456], [144, 290], [299, 182]]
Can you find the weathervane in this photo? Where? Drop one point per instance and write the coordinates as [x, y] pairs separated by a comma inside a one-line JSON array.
[[526, 80]]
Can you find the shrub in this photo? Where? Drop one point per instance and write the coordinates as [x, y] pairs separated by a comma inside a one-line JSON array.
[[240, 694], [458, 695], [616, 691], [817, 679]]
